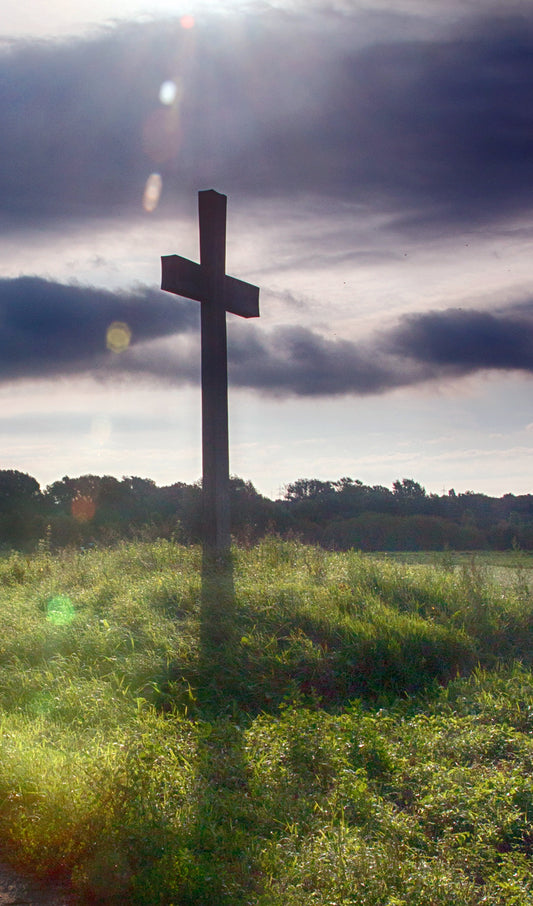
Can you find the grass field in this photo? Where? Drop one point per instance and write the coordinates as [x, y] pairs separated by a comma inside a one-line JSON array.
[[339, 729]]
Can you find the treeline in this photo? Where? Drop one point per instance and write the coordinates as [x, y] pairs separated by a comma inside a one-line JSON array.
[[91, 509]]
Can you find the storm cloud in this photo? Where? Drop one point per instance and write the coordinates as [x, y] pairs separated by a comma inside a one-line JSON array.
[[50, 329], [433, 127], [466, 340], [436, 129], [420, 348], [53, 330]]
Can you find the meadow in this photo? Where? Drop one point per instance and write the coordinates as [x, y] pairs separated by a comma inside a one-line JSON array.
[[347, 729]]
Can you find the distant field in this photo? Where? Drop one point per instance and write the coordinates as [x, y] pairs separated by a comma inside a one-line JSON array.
[[505, 567], [509, 559], [335, 729]]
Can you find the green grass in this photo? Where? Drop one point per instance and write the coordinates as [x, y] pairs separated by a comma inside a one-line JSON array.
[[343, 729]]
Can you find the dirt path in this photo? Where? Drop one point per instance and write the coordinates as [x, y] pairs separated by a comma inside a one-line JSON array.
[[18, 890]]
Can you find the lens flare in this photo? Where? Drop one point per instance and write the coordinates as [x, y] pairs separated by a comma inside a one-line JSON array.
[[41, 704], [83, 508], [168, 92], [152, 192], [60, 610], [118, 336], [101, 430]]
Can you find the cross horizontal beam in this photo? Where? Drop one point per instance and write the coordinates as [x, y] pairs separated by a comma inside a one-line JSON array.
[[186, 278]]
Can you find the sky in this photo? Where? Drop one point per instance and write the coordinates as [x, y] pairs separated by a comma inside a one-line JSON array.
[[377, 156]]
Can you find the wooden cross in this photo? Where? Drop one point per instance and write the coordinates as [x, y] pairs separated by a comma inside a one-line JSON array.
[[209, 284]]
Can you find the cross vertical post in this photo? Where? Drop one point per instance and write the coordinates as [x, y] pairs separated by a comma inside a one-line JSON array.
[[215, 441], [208, 283]]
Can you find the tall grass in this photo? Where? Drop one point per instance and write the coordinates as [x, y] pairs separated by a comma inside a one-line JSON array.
[[361, 736]]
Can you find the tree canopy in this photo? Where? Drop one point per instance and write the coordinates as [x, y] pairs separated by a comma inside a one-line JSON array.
[[342, 513]]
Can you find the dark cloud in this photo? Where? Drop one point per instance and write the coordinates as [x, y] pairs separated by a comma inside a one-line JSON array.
[[446, 127], [297, 361], [52, 329], [82, 125], [467, 341], [422, 347], [437, 130]]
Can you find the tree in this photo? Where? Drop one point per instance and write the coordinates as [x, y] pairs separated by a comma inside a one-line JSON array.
[[407, 488], [20, 499], [17, 488], [307, 489]]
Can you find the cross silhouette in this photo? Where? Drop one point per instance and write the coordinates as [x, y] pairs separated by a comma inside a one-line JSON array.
[[209, 284]]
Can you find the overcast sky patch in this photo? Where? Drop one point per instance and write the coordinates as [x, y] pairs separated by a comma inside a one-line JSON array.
[[437, 130]]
